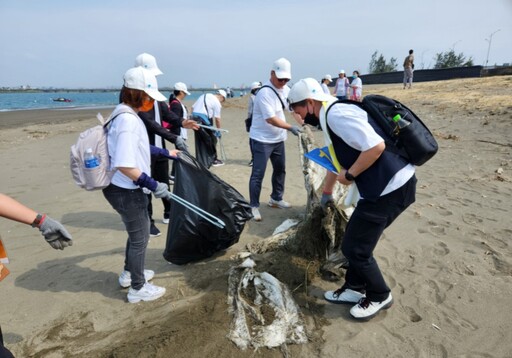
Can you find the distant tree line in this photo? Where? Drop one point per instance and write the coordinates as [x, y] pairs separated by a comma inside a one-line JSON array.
[[448, 59]]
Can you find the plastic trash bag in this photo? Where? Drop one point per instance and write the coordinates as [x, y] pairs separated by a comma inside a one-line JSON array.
[[190, 237], [206, 146]]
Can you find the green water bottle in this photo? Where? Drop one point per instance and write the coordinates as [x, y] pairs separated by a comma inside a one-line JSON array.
[[400, 122]]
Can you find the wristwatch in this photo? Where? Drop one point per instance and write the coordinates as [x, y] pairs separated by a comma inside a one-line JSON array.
[[349, 176]]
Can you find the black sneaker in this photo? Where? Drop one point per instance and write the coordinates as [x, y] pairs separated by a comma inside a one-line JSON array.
[[153, 231], [217, 163]]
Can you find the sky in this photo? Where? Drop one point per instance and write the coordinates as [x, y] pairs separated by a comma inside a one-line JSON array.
[[91, 43]]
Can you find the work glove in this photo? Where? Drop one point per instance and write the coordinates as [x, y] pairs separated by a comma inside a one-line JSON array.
[[161, 191], [55, 234], [218, 134], [295, 130], [181, 144], [326, 199]]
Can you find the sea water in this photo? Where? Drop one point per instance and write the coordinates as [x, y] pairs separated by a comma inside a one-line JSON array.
[[12, 101]]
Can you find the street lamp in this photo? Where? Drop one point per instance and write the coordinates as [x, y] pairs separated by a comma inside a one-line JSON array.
[[489, 48]]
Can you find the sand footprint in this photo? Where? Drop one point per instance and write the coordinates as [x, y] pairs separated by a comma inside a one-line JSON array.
[[413, 316], [471, 219]]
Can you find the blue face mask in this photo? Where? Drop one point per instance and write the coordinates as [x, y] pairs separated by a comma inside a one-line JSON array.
[[354, 76]]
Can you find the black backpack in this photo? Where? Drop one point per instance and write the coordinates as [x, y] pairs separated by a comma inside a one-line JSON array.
[[248, 121], [414, 142]]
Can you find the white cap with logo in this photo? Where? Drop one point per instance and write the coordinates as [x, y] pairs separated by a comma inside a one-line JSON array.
[[180, 86], [148, 62], [307, 88], [282, 68], [141, 79]]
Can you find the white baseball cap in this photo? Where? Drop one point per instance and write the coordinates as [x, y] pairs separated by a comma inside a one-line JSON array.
[[342, 71], [141, 79], [180, 86], [328, 78], [255, 85], [307, 88], [282, 68], [222, 93], [148, 62]]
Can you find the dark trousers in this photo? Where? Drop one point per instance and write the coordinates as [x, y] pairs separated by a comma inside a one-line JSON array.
[[160, 172], [363, 231], [262, 152], [132, 205]]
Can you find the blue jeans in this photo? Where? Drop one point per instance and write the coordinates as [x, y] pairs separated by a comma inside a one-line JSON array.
[[362, 233], [262, 152], [132, 205]]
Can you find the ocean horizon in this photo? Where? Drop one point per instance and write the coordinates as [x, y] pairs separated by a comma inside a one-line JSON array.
[[33, 100]]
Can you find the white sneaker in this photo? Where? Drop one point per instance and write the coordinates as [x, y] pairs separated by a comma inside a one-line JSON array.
[[343, 296], [125, 278], [279, 204], [148, 292], [165, 220], [367, 309], [256, 214]]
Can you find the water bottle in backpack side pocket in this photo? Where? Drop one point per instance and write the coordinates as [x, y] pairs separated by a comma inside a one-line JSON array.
[[400, 122], [90, 160]]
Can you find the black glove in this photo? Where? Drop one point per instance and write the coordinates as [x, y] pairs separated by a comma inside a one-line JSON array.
[[55, 234], [326, 198]]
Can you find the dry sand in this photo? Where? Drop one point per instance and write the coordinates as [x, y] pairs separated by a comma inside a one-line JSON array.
[[448, 258]]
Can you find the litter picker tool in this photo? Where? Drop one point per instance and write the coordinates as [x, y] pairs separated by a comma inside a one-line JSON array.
[[213, 128], [202, 213], [222, 151]]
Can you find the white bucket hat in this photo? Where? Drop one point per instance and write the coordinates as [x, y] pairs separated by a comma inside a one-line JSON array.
[[282, 68], [141, 79], [307, 88], [180, 86], [148, 62]]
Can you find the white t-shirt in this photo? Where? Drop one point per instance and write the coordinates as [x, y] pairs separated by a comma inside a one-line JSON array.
[[213, 104], [341, 86], [267, 105], [128, 146], [183, 131], [359, 86], [350, 123], [325, 88]]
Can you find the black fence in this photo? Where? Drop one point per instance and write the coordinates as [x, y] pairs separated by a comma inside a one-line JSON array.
[[424, 75]]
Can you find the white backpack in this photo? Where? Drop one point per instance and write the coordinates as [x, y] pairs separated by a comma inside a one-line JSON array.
[[94, 138]]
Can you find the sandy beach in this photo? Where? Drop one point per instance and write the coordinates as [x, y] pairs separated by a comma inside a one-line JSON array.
[[447, 259]]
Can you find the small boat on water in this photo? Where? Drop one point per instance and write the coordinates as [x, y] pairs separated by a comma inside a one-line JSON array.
[[62, 99]]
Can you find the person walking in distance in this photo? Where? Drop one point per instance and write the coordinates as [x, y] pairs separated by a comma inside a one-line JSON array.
[[408, 69]]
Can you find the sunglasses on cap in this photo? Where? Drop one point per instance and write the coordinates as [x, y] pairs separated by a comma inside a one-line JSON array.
[[283, 80]]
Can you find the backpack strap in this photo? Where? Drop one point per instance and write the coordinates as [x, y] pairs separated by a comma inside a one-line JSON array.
[[206, 107], [277, 94]]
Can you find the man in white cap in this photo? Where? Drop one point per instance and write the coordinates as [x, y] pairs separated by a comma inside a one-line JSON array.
[[342, 85], [268, 133], [207, 109], [385, 180], [154, 120]]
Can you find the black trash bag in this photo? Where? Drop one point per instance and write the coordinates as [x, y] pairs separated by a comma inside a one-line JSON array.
[[206, 146], [191, 237]]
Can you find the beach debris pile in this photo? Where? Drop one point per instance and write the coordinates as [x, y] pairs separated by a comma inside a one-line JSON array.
[[264, 311]]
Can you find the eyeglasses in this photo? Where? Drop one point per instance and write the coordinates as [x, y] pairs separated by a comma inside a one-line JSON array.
[[283, 80]]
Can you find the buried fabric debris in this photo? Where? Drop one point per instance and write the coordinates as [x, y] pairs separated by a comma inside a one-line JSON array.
[[263, 309]]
